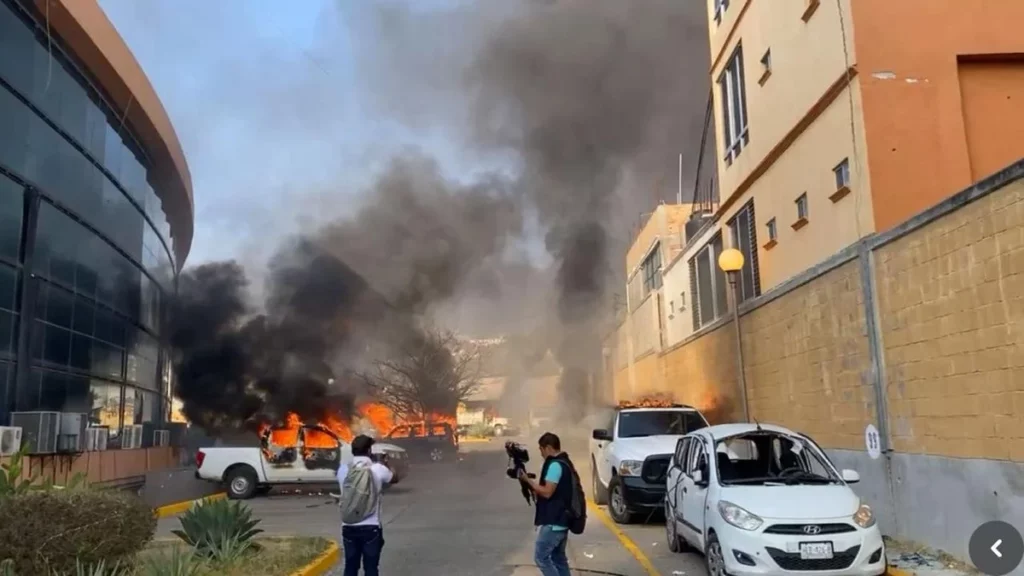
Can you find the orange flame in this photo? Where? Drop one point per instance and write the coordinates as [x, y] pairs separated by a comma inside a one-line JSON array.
[[379, 416], [650, 401]]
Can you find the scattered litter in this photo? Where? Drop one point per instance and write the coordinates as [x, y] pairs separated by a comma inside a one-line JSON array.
[[654, 544], [678, 573], [588, 554]]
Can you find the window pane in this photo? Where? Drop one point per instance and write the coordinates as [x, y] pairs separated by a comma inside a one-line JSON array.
[[106, 406], [12, 204], [8, 324], [721, 282], [705, 289], [8, 288]]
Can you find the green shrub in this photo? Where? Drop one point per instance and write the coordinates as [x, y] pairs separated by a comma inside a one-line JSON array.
[[59, 530], [12, 481], [219, 529]]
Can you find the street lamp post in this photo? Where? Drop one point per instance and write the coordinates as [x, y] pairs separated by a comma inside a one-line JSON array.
[[731, 262]]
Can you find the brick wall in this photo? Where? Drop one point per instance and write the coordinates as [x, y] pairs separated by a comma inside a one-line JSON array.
[[949, 303], [808, 361], [951, 309]]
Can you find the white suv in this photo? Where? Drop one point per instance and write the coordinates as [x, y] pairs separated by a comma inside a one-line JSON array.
[[629, 458], [759, 499]]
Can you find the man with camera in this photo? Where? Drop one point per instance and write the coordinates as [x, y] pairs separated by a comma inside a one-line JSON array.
[[560, 506]]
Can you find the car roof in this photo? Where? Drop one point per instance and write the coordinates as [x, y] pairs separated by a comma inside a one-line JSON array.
[[720, 431]]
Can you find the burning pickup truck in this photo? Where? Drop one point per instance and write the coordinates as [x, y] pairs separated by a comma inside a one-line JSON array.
[[296, 454]]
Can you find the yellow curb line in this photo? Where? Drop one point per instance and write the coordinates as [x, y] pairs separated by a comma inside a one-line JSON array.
[[322, 563], [898, 572], [626, 542], [179, 507]]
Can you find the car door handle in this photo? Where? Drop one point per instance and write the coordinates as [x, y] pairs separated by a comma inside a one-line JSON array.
[[684, 489]]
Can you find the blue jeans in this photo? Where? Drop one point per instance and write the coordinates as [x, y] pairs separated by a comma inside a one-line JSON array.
[[362, 544], [549, 552]]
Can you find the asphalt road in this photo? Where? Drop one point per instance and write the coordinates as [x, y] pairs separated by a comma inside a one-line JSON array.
[[468, 518]]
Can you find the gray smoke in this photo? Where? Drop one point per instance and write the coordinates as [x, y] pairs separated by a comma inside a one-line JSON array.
[[591, 100], [576, 109]]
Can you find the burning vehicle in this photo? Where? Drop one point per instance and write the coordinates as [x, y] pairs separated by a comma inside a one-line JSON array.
[[435, 441], [295, 453]]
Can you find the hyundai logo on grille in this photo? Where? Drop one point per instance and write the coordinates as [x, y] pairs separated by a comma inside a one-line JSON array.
[[812, 529]]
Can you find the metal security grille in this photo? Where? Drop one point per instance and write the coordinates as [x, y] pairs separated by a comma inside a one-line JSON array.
[[694, 300], [744, 238]]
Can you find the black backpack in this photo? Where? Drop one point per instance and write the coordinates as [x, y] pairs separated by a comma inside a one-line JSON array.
[[577, 506]]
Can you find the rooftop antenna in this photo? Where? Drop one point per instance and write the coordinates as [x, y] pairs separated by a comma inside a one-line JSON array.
[[679, 193], [758, 424]]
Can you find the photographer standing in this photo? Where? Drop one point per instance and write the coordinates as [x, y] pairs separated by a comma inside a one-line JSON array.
[[559, 506], [361, 483]]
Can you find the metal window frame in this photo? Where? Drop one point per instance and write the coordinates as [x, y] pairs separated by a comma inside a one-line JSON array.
[[803, 211]]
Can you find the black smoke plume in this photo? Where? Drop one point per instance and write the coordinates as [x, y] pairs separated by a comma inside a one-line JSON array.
[[417, 235]]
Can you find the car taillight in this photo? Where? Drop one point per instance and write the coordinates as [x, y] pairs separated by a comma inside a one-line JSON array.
[[200, 456]]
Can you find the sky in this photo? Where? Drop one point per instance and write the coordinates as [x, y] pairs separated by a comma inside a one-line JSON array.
[[266, 98]]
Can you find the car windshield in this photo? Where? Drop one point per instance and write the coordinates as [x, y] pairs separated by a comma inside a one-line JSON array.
[[639, 423], [771, 459]]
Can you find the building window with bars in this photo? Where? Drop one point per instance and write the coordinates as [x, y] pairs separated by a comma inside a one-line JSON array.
[[733, 95], [744, 239], [651, 270], [708, 284]]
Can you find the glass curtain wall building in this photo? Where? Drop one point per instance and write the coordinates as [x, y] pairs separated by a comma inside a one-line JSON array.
[[87, 260]]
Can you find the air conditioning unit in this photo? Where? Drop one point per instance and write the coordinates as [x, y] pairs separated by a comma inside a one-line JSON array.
[[39, 430], [72, 432], [131, 437], [96, 438], [161, 438], [10, 440], [178, 431]]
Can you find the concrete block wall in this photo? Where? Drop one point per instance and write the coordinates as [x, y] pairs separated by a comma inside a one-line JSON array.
[[927, 320]]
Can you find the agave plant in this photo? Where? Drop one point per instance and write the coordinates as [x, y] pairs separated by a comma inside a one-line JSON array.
[[180, 562], [214, 527], [99, 569]]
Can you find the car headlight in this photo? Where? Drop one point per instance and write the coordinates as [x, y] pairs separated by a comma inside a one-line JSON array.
[[864, 517], [630, 467], [739, 517]]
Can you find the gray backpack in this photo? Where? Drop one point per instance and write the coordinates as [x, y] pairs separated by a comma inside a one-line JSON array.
[[358, 494]]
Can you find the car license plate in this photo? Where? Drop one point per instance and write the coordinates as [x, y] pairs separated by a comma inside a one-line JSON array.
[[815, 550]]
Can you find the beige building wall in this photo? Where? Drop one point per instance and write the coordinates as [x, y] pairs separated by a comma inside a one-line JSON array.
[[951, 308]]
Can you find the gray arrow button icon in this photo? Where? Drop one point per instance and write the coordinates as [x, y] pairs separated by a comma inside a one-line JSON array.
[[996, 548]]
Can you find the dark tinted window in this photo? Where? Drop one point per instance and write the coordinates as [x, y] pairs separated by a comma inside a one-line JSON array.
[[12, 204], [634, 424]]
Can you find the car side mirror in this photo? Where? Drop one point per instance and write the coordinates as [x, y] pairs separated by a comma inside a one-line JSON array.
[[602, 434], [851, 476], [700, 475]]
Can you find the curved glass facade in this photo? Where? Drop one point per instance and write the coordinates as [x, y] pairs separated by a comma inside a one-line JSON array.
[[84, 261]]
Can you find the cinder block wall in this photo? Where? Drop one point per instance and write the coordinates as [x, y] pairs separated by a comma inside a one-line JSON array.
[[946, 315]]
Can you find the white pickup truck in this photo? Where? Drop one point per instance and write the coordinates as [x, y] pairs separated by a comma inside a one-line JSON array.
[[629, 458], [246, 471]]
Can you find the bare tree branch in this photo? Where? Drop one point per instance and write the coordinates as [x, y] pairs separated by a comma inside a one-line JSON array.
[[426, 376]]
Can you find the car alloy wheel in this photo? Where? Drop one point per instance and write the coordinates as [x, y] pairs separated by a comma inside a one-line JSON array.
[[436, 455], [618, 501], [716, 562], [670, 530]]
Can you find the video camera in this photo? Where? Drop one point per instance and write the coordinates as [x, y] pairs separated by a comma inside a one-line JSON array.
[[518, 456]]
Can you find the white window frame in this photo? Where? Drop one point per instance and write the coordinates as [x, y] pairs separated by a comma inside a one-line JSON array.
[[732, 89], [842, 174], [720, 7]]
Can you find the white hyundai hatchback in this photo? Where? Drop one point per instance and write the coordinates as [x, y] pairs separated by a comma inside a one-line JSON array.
[[759, 499]]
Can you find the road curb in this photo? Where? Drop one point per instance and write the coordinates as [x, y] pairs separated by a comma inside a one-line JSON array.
[[891, 571], [473, 440], [322, 563], [179, 507], [625, 540]]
